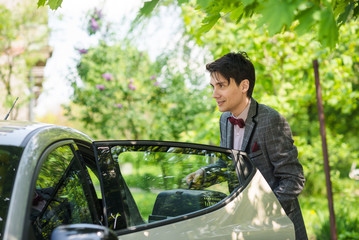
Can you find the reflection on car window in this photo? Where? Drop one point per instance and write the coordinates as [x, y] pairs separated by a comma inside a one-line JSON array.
[[156, 178], [96, 183], [9, 160], [59, 197]]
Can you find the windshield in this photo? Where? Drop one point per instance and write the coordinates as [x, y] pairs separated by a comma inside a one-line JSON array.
[[9, 161]]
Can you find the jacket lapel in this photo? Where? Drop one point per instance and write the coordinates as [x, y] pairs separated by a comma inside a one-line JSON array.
[[229, 134], [250, 123], [226, 130]]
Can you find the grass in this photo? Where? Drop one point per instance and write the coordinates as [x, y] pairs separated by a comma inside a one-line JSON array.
[[346, 207]]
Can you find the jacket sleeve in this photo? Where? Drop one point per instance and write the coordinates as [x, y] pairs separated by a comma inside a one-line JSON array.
[[283, 156]]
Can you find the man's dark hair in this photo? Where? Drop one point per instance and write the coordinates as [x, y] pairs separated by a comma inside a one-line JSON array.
[[236, 66]]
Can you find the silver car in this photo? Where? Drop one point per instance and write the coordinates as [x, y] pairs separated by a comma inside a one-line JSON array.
[[58, 183]]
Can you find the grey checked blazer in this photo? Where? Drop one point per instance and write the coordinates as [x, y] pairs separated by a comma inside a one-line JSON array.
[[269, 144]]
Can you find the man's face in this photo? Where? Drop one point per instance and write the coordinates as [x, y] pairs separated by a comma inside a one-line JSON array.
[[229, 96]]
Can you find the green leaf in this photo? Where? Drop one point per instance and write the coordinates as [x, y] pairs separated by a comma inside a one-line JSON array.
[[345, 14], [148, 7], [182, 2], [356, 11], [237, 13], [208, 23], [328, 29], [277, 14], [340, 6], [306, 20], [203, 4], [247, 2], [54, 4], [41, 3]]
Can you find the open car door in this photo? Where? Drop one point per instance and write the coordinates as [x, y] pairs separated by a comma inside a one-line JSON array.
[[146, 195]]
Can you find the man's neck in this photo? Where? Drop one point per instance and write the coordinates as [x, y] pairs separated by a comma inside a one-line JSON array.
[[241, 107]]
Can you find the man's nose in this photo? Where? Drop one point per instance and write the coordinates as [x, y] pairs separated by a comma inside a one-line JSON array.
[[215, 94]]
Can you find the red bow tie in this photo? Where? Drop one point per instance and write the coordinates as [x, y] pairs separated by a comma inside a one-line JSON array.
[[235, 121]]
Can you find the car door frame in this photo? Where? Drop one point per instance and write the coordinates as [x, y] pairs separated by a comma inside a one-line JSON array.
[[19, 210], [89, 194], [235, 154]]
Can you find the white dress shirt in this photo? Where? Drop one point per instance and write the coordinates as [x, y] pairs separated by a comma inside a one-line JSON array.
[[238, 132]]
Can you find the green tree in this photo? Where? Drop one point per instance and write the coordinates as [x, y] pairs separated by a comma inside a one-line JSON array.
[[122, 94], [323, 17], [23, 39]]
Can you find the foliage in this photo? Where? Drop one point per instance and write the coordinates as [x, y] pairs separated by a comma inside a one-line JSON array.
[[347, 223], [53, 4], [316, 214], [324, 17], [127, 96], [23, 35], [123, 94]]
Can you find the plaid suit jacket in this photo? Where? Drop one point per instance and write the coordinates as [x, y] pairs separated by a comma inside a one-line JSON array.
[[269, 144]]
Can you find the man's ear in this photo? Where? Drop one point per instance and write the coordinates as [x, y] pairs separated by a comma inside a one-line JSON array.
[[244, 86]]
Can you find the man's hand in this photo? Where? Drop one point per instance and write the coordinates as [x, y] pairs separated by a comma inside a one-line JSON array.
[[195, 179]]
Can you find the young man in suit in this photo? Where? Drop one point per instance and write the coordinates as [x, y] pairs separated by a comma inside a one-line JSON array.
[[258, 130]]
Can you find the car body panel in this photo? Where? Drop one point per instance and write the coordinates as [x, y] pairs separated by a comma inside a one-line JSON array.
[[240, 218], [13, 133]]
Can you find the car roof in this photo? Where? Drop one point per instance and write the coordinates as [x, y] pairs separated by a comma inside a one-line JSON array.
[[17, 133]]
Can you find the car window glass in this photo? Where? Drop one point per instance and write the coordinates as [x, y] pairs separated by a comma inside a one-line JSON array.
[[9, 160], [156, 178], [96, 183], [59, 197]]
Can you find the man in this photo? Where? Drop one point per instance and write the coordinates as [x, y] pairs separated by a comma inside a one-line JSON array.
[[258, 130]]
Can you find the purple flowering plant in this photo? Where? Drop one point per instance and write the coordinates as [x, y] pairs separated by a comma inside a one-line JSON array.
[[118, 105], [131, 86], [95, 21], [94, 25], [100, 87], [82, 50], [107, 76]]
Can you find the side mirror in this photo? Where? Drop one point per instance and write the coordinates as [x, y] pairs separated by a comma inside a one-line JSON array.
[[83, 231]]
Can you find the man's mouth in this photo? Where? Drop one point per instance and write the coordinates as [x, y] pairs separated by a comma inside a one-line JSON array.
[[219, 103]]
